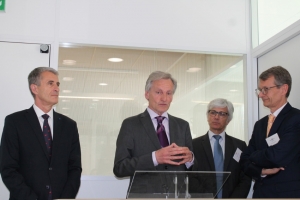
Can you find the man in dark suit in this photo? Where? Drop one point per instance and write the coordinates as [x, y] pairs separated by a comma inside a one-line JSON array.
[[272, 157], [219, 114], [138, 143], [32, 165]]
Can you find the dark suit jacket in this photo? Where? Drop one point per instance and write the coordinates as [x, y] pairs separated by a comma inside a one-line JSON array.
[[25, 166], [286, 153], [238, 184], [138, 139]]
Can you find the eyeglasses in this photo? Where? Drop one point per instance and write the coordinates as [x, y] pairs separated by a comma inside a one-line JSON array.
[[265, 90], [214, 113]]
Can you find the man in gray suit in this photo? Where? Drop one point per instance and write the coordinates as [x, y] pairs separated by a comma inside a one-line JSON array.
[[138, 143]]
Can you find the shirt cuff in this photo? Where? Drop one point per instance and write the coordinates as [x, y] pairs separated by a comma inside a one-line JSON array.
[[189, 164], [154, 159]]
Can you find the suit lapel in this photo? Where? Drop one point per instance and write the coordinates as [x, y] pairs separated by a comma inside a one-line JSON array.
[[150, 131], [208, 151], [35, 125], [279, 119], [172, 130], [56, 133], [229, 151]]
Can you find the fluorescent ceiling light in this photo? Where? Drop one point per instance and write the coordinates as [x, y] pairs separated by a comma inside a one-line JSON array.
[[99, 96], [111, 98], [65, 100], [100, 70], [103, 84], [69, 62], [115, 59], [193, 69], [68, 79]]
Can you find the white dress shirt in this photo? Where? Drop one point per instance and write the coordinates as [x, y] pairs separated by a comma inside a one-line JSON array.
[[166, 125], [39, 114], [213, 140]]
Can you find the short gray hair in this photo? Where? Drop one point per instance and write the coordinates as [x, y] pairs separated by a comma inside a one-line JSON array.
[[221, 103], [34, 76], [281, 76], [158, 75]]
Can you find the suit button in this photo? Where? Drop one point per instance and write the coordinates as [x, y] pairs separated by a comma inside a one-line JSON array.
[[166, 167], [47, 187], [50, 168]]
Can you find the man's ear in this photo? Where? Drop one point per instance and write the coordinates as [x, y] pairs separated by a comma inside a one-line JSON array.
[[285, 88], [147, 95], [33, 88]]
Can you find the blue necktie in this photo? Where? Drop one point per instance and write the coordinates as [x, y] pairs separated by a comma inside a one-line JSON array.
[[161, 133], [218, 159]]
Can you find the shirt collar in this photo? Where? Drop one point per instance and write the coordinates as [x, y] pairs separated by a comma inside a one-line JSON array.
[[39, 112], [211, 134], [154, 114], [276, 113]]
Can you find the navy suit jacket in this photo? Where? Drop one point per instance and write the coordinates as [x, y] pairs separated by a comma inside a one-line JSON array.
[[286, 153], [238, 184], [137, 140], [25, 166]]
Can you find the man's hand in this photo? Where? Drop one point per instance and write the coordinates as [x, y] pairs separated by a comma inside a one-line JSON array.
[[171, 153], [271, 171]]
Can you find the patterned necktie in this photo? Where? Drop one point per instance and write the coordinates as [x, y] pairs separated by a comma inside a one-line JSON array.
[[47, 134], [48, 141], [219, 163], [161, 133], [270, 123]]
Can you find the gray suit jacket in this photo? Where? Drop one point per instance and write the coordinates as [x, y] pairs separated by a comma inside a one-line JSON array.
[[137, 140]]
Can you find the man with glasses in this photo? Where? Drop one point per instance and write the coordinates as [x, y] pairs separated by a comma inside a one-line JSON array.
[[219, 114], [272, 158]]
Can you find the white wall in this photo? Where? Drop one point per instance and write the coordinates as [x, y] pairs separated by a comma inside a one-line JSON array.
[[183, 25], [287, 56]]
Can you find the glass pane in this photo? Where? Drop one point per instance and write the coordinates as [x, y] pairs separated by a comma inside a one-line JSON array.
[[269, 17], [99, 94]]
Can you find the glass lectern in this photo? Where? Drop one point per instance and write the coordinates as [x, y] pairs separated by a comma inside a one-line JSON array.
[[176, 184]]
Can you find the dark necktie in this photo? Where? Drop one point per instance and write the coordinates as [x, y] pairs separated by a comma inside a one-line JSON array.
[[48, 141], [219, 163], [47, 134], [161, 133]]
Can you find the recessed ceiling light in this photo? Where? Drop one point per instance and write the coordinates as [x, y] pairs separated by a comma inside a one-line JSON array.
[[193, 69], [103, 84], [68, 79], [69, 62], [233, 90], [66, 91], [115, 59]]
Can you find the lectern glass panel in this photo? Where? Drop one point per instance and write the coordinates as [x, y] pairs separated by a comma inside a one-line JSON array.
[[176, 184]]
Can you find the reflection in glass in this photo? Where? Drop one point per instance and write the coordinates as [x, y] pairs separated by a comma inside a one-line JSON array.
[[100, 109]]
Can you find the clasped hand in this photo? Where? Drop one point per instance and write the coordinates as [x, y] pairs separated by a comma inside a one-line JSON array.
[[173, 155]]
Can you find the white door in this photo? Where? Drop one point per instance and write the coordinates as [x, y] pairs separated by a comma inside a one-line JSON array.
[[16, 61]]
